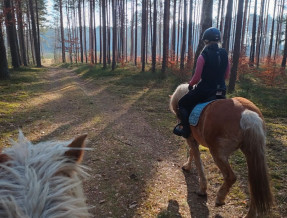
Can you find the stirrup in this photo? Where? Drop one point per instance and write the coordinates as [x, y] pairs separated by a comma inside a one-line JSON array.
[[178, 129]]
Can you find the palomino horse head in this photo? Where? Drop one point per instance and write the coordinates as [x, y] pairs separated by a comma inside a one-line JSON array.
[[42, 180], [224, 126]]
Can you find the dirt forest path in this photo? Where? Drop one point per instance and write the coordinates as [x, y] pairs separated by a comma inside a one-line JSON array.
[[135, 169]]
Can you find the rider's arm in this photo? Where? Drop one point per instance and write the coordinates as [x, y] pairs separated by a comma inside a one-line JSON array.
[[198, 71]]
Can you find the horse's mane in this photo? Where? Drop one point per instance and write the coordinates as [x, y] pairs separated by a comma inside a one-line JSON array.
[[39, 181], [180, 91]]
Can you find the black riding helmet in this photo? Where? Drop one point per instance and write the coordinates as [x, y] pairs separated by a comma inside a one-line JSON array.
[[211, 34]]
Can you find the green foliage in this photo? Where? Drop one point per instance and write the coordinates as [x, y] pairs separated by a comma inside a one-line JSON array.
[[24, 84], [272, 101]]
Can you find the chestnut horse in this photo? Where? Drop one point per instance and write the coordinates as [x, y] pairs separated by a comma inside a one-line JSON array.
[[224, 126], [42, 180]]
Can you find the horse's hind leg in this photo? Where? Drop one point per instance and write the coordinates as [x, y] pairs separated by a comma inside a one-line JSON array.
[[187, 165], [228, 175], [194, 151]]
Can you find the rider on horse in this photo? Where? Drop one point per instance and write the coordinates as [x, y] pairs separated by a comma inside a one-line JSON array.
[[212, 68]]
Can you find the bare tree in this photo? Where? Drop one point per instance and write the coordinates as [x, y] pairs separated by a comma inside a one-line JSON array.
[[244, 25], [190, 53], [62, 32], [165, 35], [283, 64], [34, 32], [154, 36], [104, 34], [205, 23], [252, 47], [114, 33], [227, 25], [143, 38], [136, 32], [272, 31], [236, 51], [173, 31], [10, 25], [183, 43], [21, 32], [81, 31], [4, 73]]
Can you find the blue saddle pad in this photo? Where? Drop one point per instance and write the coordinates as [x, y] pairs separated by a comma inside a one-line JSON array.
[[195, 113]]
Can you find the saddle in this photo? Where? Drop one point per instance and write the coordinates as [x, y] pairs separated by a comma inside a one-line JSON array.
[[196, 112], [220, 94]]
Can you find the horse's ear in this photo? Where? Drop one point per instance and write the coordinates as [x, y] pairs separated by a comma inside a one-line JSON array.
[[76, 152], [4, 158]]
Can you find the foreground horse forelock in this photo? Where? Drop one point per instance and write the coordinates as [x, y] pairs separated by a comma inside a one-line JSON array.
[[43, 180], [224, 126]]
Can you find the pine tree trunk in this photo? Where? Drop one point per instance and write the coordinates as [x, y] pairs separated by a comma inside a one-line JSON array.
[[160, 32], [30, 34], [4, 73], [85, 35], [154, 36], [222, 17], [91, 33], [236, 52], [173, 32], [38, 29], [10, 33], [283, 64], [244, 26], [34, 32], [95, 33], [15, 33], [259, 33], [109, 34], [136, 33], [132, 33], [272, 31], [101, 37], [252, 47], [279, 27], [178, 29], [81, 31], [165, 36], [21, 32], [114, 14], [143, 36], [190, 53], [205, 23], [218, 14], [227, 25], [62, 32], [104, 34], [183, 43]]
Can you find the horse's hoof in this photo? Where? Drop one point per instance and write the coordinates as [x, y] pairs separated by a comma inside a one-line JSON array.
[[218, 204], [201, 193], [185, 169]]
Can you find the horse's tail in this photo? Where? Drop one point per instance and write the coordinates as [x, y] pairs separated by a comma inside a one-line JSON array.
[[253, 148]]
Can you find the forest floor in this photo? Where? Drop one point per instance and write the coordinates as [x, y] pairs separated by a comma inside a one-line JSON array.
[[136, 160]]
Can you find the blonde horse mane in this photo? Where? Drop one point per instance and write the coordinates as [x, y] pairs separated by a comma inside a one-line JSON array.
[[180, 91], [40, 181]]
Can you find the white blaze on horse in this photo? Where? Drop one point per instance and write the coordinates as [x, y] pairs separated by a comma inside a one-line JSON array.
[[43, 180], [224, 126]]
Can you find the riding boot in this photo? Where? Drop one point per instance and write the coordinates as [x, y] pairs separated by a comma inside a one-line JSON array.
[[183, 128]]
